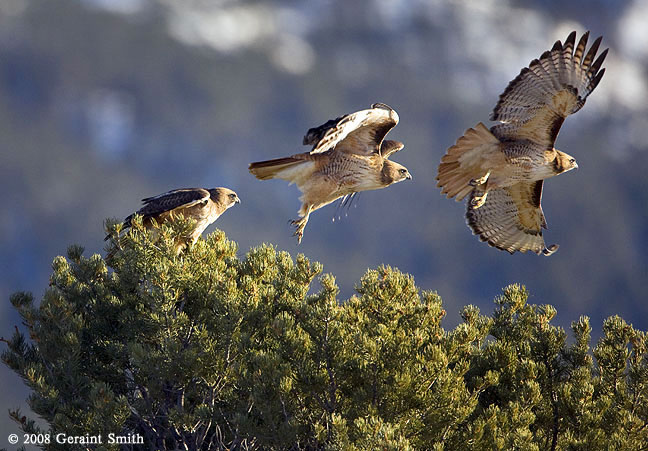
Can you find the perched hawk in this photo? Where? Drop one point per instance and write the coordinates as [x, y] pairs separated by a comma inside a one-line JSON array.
[[502, 169], [202, 205], [349, 155]]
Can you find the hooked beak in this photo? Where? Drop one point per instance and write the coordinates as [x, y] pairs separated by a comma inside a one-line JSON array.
[[408, 176], [237, 200], [575, 165]]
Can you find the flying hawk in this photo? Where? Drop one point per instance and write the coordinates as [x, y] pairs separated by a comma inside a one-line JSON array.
[[349, 155], [502, 169], [202, 205]]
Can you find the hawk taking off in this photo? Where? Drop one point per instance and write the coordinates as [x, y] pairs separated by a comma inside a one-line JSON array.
[[502, 169], [202, 205], [349, 155]]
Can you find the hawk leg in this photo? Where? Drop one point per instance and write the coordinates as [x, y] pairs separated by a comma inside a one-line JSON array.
[[480, 192], [480, 181], [478, 200], [479, 197], [550, 250], [300, 224]]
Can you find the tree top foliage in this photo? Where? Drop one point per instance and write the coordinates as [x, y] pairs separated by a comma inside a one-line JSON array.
[[205, 350]]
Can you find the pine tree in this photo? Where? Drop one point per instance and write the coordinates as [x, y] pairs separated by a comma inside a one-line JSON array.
[[204, 350]]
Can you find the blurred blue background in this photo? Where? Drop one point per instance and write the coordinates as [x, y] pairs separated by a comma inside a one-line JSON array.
[[103, 102]]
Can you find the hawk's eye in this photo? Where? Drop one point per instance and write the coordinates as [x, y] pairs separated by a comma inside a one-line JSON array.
[[572, 160], [232, 196], [402, 171]]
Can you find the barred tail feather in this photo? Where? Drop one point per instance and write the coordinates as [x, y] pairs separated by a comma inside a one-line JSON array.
[[271, 169], [463, 162]]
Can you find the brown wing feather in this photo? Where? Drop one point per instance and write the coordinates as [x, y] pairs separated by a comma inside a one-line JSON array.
[[314, 135], [171, 200], [534, 105], [511, 219], [361, 132], [389, 147]]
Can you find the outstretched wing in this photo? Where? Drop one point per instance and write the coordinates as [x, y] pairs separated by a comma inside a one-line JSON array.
[[169, 201], [361, 132], [389, 147], [534, 105], [511, 219]]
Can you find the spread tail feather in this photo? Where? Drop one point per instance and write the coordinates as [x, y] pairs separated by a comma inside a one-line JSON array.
[[462, 162], [270, 169]]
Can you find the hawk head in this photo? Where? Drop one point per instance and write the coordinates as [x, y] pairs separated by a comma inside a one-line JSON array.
[[564, 162], [393, 172], [224, 197]]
